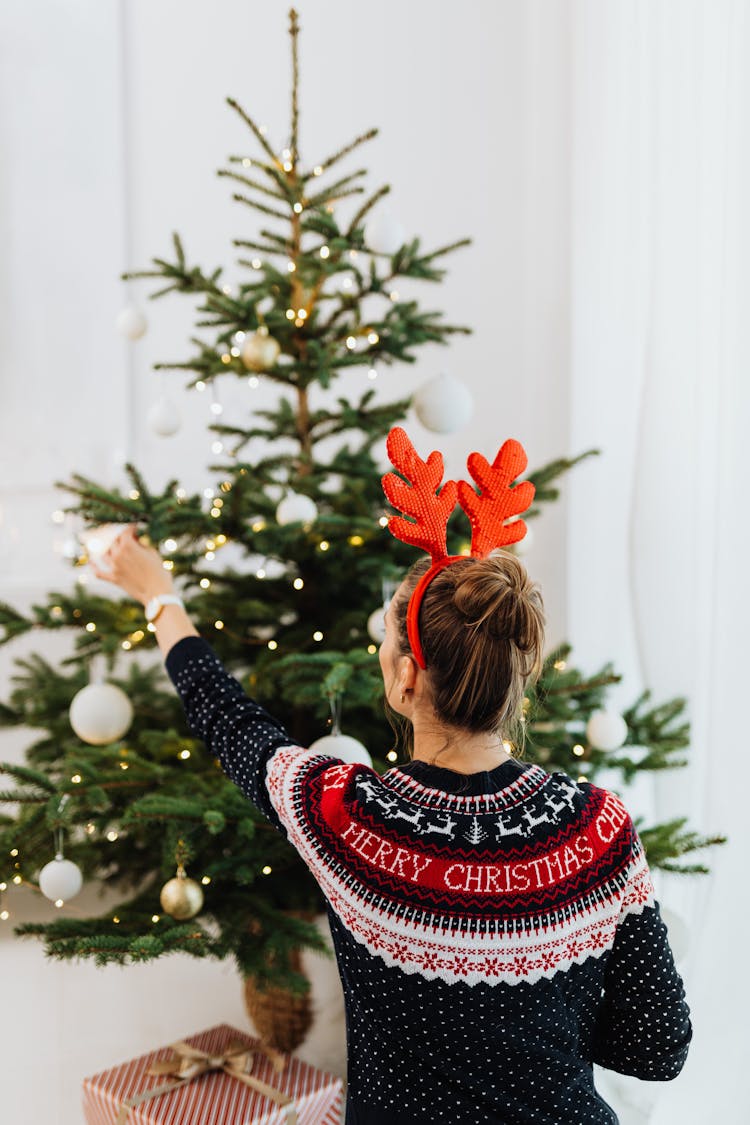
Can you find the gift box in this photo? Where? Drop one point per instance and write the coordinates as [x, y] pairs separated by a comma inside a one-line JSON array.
[[218, 1077]]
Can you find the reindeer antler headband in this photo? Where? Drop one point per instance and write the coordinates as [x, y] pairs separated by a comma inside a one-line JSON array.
[[428, 506]]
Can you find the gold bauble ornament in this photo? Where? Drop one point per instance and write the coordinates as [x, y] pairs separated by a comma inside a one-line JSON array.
[[181, 897], [260, 350]]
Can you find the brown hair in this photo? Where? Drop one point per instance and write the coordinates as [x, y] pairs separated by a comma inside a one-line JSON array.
[[481, 624]]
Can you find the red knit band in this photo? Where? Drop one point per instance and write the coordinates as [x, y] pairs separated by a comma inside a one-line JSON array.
[[415, 603]]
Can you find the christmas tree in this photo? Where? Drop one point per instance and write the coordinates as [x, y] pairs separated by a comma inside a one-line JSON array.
[[129, 804]]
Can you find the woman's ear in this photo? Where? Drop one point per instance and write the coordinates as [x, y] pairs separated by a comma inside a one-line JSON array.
[[407, 673]]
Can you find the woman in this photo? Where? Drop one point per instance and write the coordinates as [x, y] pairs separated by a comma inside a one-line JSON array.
[[495, 926]]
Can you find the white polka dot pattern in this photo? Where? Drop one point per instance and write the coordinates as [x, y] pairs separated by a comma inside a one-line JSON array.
[[496, 935]]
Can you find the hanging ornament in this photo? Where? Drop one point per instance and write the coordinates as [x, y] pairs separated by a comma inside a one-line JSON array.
[[376, 620], [606, 730], [100, 713], [132, 323], [339, 745], [444, 404], [296, 508], [384, 234], [60, 879], [376, 625], [181, 897], [260, 350], [97, 540], [163, 417], [342, 746]]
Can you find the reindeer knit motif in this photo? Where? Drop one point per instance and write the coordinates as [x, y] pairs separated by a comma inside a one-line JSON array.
[[496, 934]]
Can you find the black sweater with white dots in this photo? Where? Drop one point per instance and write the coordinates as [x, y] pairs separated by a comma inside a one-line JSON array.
[[496, 934]]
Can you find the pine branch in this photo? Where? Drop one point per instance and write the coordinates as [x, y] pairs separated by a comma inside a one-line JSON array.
[[251, 124], [345, 150]]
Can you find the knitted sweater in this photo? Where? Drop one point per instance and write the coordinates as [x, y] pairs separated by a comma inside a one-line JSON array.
[[496, 933]]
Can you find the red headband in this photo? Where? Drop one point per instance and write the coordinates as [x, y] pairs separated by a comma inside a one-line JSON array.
[[417, 496]]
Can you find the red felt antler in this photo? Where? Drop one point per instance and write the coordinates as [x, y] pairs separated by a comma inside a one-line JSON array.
[[418, 497], [497, 500]]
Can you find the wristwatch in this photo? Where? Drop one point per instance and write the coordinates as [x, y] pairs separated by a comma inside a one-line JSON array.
[[154, 605]]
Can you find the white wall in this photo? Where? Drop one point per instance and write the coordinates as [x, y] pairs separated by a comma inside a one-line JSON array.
[[112, 123]]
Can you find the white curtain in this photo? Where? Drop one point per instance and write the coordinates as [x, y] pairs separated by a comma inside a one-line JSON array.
[[660, 369]]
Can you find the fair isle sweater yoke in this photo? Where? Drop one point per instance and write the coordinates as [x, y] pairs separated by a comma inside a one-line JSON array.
[[496, 933]]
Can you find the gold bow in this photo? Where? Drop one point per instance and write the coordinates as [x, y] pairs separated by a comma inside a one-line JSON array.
[[190, 1062]]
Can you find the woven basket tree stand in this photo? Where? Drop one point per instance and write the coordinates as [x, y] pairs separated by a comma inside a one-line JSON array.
[[281, 1019]]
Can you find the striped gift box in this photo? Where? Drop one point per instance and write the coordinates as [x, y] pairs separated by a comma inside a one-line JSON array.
[[214, 1097]]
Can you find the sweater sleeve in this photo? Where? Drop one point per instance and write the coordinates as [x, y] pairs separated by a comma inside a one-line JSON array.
[[643, 1026], [235, 729]]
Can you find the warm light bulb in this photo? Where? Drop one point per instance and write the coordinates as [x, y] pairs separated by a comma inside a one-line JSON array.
[[298, 583], [256, 263], [356, 540], [58, 903], [134, 494], [154, 917], [291, 266], [318, 170], [206, 880], [253, 381], [391, 755], [372, 649], [216, 407], [200, 385], [325, 251], [112, 836], [168, 564], [205, 583], [324, 544], [372, 373], [90, 627], [373, 338], [351, 342], [218, 624], [297, 208], [76, 779], [383, 521], [170, 544], [317, 635], [184, 754], [578, 750], [273, 645], [267, 870]]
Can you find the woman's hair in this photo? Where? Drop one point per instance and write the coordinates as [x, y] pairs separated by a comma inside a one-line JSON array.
[[481, 624]]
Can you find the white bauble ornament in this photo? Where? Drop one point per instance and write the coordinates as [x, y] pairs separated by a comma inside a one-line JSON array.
[[163, 417], [384, 234], [60, 879], [679, 935], [97, 540], [376, 625], [100, 713], [296, 508], [71, 547], [260, 350], [342, 746], [132, 323], [606, 730], [443, 404]]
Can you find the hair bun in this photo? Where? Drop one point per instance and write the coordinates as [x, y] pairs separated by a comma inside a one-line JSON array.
[[498, 595]]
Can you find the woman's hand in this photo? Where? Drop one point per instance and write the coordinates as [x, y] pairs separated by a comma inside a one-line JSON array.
[[137, 569]]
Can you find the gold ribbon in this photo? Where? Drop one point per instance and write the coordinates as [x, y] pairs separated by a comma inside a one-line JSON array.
[[189, 1062]]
